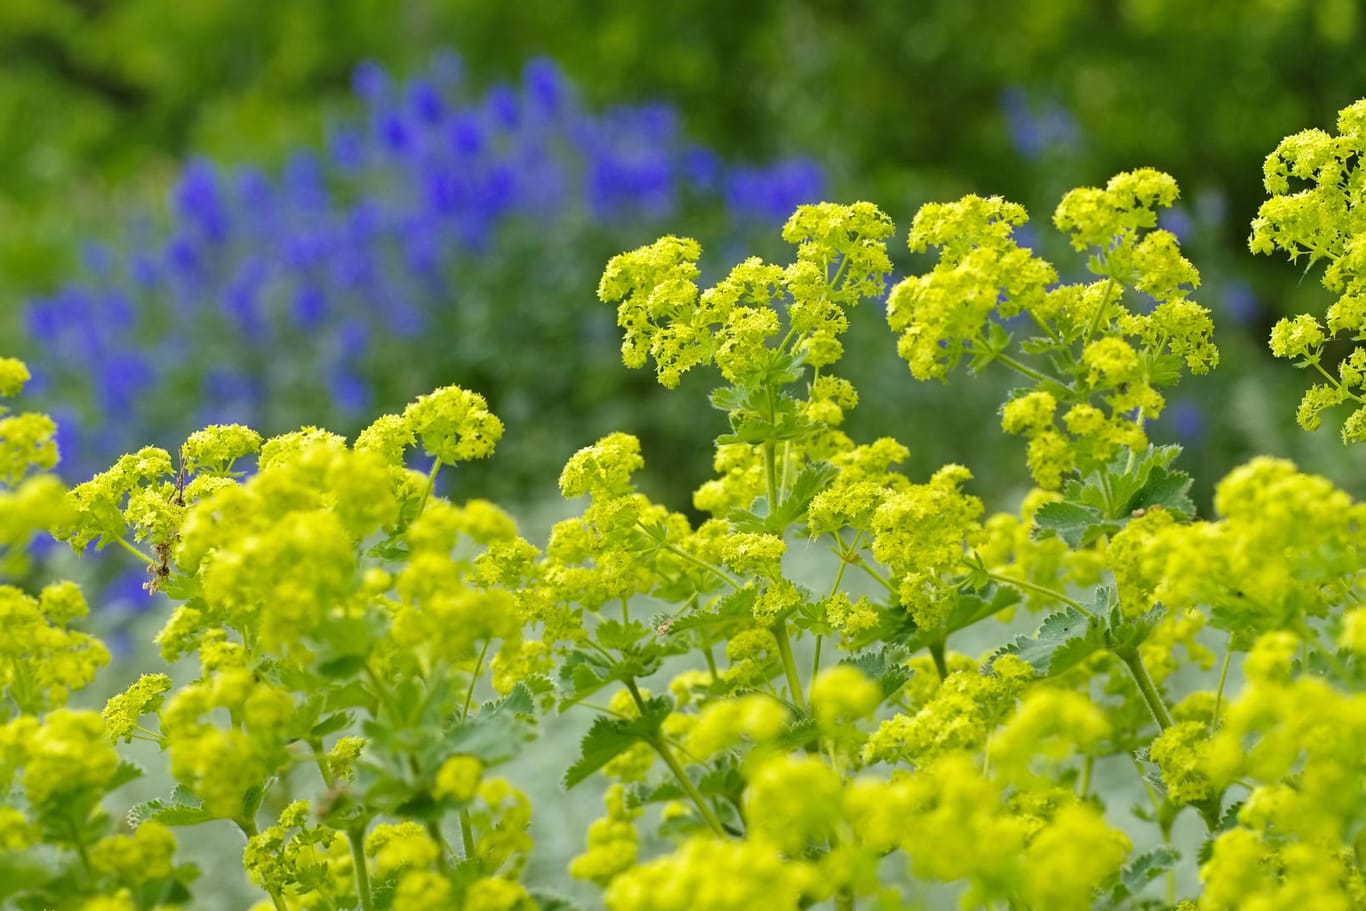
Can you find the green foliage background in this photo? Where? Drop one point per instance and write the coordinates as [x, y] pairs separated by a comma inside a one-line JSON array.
[[901, 102]]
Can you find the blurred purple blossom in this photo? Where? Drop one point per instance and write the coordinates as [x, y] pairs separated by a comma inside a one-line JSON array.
[[262, 281]]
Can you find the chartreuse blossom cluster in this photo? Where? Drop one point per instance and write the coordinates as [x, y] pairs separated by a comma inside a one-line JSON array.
[[774, 730], [1317, 210]]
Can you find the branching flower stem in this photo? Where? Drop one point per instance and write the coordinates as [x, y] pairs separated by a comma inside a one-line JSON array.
[[1022, 585], [659, 746], [1134, 662]]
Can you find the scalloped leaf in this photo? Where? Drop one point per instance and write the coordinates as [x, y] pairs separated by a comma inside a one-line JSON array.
[[1064, 640], [608, 738]]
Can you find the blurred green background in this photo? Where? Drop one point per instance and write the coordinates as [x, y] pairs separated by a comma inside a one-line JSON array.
[[101, 101]]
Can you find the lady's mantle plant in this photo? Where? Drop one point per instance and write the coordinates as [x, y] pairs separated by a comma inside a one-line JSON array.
[[791, 733]]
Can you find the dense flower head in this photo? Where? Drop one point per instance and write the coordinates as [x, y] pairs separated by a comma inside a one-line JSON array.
[[66, 754], [712, 875], [1105, 217], [940, 315], [603, 469], [921, 533], [1316, 210], [454, 425], [41, 660]]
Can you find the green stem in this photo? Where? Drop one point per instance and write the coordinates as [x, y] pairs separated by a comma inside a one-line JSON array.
[[431, 483], [685, 782], [467, 834], [1084, 787], [697, 561], [771, 476], [1219, 693], [711, 664], [382, 691], [1134, 662], [941, 666], [659, 746], [316, 746], [1100, 311], [122, 542], [816, 662], [474, 678], [1039, 590], [1334, 381], [844, 900], [794, 681], [357, 839], [434, 830], [877, 577], [75, 833], [1024, 369]]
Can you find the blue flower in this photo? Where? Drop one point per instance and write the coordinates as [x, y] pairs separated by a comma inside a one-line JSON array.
[[404, 242]]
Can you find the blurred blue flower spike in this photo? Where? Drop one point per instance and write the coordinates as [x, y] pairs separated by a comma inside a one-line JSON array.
[[435, 237]]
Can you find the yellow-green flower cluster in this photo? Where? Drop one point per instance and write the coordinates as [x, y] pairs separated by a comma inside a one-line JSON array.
[[121, 712], [965, 832], [613, 843], [709, 875], [1264, 507], [500, 825], [438, 615], [920, 534], [1316, 210], [657, 289], [221, 764], [1050, 726], [1299, 743], [962, 713], [454, 425], [298, 861], [723, 723], [143, 856], [64, 757], [98, 504], [774, 815], [940, 316], [276, 555], [841, 258], [1111, 218], [41, 661], [214, 449], [1095, 351]]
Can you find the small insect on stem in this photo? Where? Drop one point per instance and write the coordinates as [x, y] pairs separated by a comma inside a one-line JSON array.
[[161, 570]]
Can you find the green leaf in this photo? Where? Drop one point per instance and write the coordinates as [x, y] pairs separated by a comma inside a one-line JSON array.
[[1131, 632], [181, 586], [1164, 489], [173, 812], [587, 672], [20, 873], [1142, 870], [727, 398], [608, 738], [549, 901], [1076, 524], [497, 733], [124, 773], [733, 612], [1064, 640], [615, 634], [339, 721], [887, 667]]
